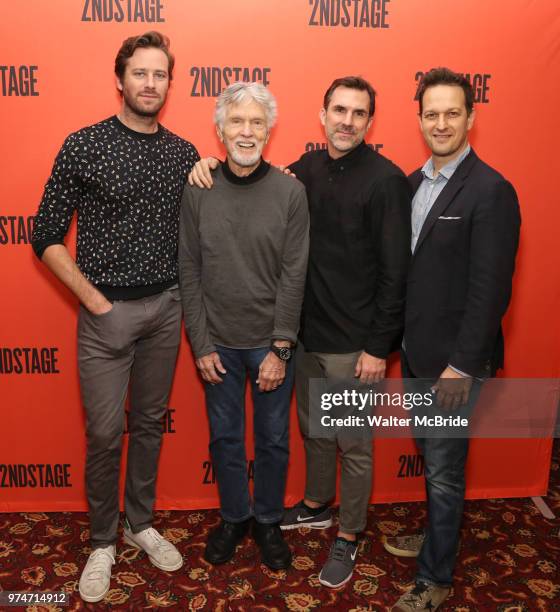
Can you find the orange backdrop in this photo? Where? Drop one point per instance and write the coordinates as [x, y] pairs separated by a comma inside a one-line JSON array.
[[57, 60]]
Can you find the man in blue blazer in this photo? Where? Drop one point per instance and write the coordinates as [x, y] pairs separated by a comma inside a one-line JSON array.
[[465, 232]]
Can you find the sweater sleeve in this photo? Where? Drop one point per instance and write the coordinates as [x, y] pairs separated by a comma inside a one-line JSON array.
[[289, 295], [190, 277], [61, 196]]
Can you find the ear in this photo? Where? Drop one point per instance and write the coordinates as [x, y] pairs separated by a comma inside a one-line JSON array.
[[322, 116], [370, 121], [470, 120], [219, 132], [119, 84], [419, 120]]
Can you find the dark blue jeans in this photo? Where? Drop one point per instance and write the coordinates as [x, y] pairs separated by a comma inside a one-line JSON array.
[[225, 403], [444, 471]]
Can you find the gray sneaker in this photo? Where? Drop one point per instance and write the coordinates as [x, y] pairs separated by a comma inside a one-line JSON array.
[[299, 516], [404, 546], [422, 597], [340, 564]]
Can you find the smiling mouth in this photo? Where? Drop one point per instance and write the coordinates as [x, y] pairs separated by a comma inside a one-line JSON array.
[[245, 145]]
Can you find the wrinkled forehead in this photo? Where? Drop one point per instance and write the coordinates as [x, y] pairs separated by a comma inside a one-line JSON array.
[[247, 107]]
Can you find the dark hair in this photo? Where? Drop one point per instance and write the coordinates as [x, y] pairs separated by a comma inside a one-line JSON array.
[[352, 82], [149, 39], [444, 76]]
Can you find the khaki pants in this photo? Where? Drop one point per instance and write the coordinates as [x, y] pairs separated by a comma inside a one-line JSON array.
[[132, 348], [355, 454]]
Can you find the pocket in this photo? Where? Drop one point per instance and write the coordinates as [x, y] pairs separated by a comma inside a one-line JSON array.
[[103, 315], [102, 330], [447, 232]]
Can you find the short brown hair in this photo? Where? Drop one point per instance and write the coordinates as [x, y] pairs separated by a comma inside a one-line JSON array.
[[444, 76], [149, 39], [352, 82]]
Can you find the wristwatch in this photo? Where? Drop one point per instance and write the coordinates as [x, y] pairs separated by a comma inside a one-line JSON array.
[[282, 352]]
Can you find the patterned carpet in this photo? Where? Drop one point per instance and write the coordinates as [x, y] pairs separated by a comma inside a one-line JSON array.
[[508, 562]]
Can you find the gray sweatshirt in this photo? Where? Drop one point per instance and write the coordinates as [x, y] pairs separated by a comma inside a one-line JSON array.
[[243, 249]]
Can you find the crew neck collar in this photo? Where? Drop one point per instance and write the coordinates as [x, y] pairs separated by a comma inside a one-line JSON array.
[[258, 173], [135, 134]]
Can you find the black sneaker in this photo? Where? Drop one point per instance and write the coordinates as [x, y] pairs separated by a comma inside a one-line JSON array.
[[275, 552], [300, 516], [340, 564], [223, 541]]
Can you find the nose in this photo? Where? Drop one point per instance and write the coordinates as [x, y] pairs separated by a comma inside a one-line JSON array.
[[348, 118], [441, 123], [247, 129], [150, 81]]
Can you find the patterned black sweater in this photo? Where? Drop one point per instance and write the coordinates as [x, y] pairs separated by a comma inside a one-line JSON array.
[[126, 187]]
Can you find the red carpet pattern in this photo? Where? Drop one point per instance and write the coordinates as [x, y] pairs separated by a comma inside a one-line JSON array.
[[509, 562]]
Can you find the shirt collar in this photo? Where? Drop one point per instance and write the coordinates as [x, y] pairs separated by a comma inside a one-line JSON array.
[[350, 158], [447, 170]]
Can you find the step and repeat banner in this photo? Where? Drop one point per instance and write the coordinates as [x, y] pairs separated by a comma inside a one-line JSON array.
[[56, 68]]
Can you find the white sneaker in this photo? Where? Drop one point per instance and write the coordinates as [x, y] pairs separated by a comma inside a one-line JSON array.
[[96, 577], [161, 553]]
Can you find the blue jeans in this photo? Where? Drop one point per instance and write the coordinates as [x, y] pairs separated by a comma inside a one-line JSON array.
[[225, 403], [444, 471]]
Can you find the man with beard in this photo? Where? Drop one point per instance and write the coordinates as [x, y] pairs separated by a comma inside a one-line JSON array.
[[242, 261], [124, 176], [353, 310]]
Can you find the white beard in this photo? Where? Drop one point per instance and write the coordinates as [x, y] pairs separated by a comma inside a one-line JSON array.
[[243, 160]]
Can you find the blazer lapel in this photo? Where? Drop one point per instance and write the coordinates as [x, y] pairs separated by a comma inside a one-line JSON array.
[[445, 198]]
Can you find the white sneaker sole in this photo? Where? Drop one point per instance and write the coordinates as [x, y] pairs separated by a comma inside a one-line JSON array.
[[400, 552], [335, 586], [318, 525], [91, 599], [161, 566]]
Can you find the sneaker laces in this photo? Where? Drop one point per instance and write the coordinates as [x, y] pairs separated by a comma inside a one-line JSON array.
[[339, 550], [97, 563], [158, 539], [414, 597]]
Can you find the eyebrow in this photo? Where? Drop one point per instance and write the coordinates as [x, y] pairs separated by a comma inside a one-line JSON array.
[[153, 69], [358, 109], [453, 108]]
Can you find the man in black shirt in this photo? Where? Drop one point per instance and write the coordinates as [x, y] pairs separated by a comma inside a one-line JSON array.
[[124, 176], [352, 318]]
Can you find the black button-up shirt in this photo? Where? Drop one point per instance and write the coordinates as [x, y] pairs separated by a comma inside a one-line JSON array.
[[359, 252]]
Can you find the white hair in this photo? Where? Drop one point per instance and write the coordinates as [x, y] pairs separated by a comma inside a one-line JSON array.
[[241, 92]]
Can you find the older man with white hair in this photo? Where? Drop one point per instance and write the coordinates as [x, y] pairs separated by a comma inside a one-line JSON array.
[[242, 259]]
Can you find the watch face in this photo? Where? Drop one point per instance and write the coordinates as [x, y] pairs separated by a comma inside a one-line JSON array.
[[284, 353]]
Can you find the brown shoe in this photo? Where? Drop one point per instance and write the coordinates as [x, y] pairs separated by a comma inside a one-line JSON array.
[[423, 596], [404, 546]]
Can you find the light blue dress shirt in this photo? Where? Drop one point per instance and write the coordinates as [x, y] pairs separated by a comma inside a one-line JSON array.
[[429, 190]]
